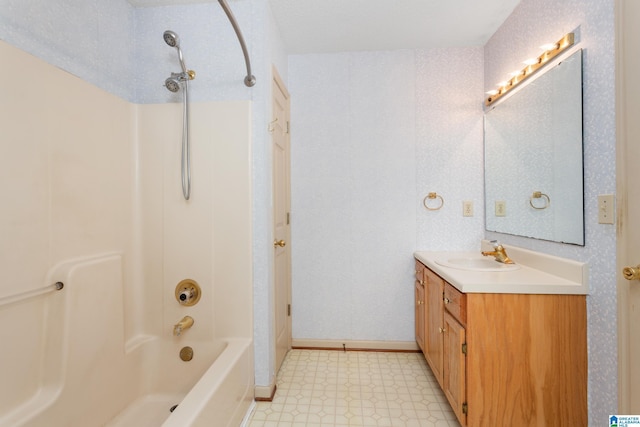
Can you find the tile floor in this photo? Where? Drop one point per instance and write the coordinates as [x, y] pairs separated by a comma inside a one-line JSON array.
[[354, 388]]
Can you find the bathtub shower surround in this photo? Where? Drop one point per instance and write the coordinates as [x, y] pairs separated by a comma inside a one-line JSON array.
[[96, 204]]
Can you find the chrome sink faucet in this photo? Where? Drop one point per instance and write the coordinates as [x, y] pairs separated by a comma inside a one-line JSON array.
[[499, 253]]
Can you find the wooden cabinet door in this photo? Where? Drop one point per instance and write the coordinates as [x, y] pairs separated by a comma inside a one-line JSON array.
[[419, 303], [420, 314], [434, 289], [454, 369]]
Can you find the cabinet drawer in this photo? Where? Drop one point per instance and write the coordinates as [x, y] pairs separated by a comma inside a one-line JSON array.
[[455, 302]]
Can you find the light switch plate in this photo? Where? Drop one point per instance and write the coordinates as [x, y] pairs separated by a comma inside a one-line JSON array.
[[501, 208], [606, 205], [467, 208]]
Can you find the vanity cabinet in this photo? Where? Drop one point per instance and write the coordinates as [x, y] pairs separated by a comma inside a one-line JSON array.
[[507, 359]]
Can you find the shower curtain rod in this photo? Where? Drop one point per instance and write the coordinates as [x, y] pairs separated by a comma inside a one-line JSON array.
[[250, 80]]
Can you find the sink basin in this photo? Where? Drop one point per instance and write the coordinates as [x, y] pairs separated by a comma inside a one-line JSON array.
[[477, 264]]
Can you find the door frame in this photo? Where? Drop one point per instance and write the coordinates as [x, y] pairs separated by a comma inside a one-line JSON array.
[[622, 190]]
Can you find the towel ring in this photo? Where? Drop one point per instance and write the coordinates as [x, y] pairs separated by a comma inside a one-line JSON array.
[[433, 196], [539, 195]]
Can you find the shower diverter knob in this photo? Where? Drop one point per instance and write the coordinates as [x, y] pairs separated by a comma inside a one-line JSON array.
[[188, 292], [186, 295]]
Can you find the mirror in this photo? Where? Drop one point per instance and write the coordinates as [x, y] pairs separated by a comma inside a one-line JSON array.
[[533, 157]]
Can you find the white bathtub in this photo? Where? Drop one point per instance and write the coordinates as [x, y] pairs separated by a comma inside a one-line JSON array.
[[220, 396], [79, 372]]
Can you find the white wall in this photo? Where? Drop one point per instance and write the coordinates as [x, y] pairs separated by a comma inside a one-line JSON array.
[[372, 134], [531, 25]]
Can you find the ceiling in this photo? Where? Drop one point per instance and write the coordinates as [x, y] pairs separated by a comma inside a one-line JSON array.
[[323, 26]]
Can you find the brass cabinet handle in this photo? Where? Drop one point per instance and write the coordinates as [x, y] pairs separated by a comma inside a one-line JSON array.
[[442, 330], [631, 273], [447, 300], [280, 243]]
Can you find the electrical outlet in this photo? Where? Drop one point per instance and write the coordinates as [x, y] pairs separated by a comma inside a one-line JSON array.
[[501, 208], [467, 208], [605, 209]]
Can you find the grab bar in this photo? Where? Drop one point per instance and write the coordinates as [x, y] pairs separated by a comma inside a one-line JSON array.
[[29, 294], [250, 80]]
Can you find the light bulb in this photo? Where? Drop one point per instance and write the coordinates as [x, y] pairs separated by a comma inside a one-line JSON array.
[[549, 46]]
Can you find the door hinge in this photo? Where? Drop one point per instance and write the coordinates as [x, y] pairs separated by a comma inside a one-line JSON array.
[[288, 126], [464, 348], [288, 309], [465, 408], [288, 218]]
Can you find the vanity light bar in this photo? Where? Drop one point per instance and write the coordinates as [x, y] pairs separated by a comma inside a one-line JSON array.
[[556, 49]]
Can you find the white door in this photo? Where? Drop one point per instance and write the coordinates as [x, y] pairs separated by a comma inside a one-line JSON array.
[[279, 128], [628, 189]]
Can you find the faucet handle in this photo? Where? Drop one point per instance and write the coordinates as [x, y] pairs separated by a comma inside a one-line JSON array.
[[497, 245]]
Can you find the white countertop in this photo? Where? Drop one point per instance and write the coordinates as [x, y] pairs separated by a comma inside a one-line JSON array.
[[551, 275]]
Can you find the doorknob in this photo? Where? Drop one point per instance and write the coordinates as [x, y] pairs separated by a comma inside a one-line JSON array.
[[631, 273], [280, 243]]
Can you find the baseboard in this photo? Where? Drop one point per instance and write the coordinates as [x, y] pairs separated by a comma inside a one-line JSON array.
[[264, 393], [400, 346]]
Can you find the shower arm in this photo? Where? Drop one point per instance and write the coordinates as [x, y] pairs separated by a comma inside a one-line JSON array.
[[250, 79]]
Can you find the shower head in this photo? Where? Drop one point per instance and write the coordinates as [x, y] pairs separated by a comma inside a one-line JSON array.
[[172, 84], [171, 39]]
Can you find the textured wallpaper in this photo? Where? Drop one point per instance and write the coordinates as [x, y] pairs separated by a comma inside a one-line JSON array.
[[449, 147], [352, 157], [530, 26], [209, 45], [91, 39], [120, 49], [373, 133]]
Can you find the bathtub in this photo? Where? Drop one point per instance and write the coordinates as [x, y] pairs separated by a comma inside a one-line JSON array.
[[80, 372], [221, 396]]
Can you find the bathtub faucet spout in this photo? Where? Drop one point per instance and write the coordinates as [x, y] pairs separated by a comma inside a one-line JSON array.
[[185, 323]]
